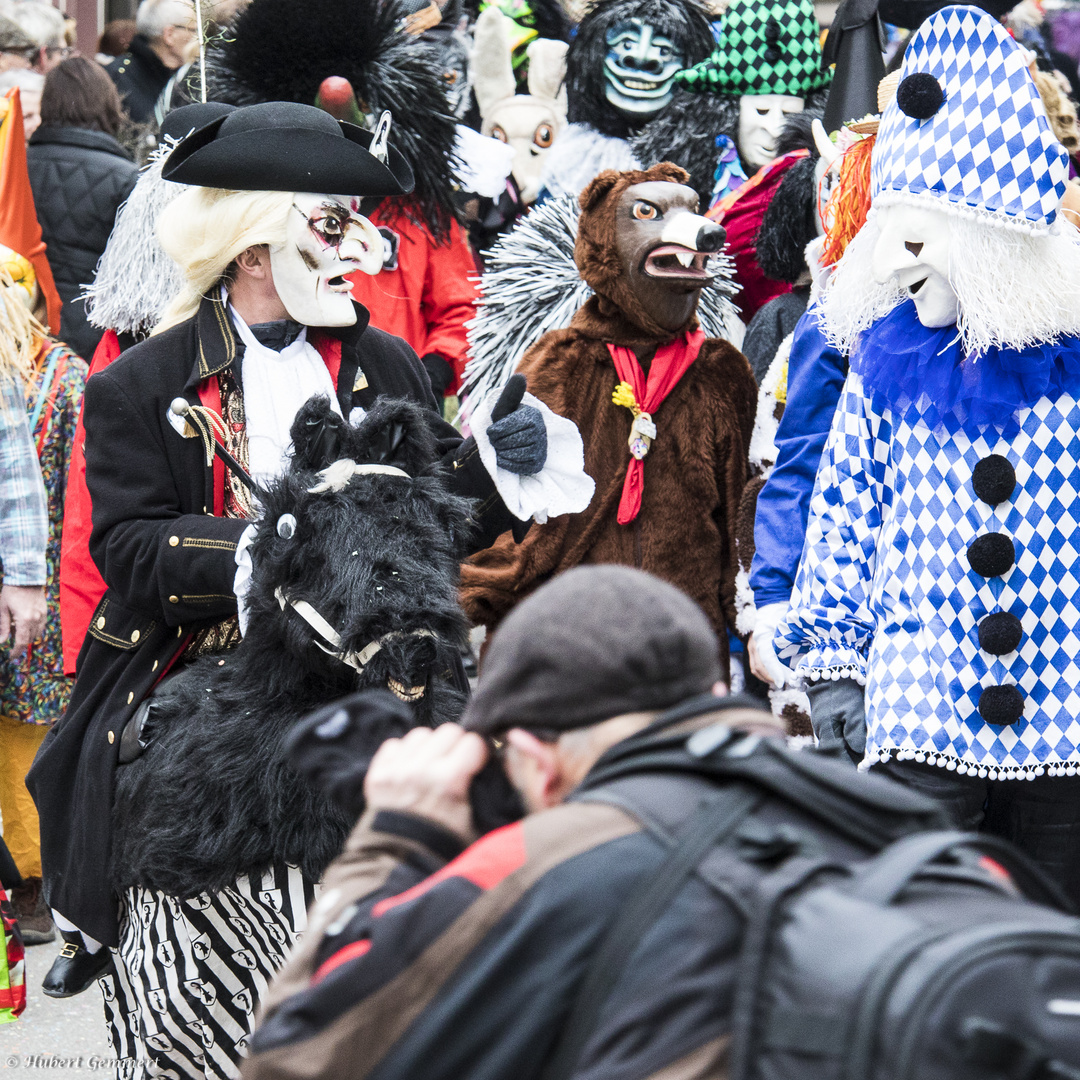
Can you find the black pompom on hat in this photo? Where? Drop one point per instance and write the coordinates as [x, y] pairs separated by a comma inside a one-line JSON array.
[[919, 95]]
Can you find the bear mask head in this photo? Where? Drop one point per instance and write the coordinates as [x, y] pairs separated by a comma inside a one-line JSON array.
[[643, 248]]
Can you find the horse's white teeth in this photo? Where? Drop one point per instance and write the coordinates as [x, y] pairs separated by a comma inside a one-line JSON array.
[[685, 257]]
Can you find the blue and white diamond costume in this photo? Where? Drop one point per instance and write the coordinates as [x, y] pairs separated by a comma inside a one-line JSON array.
[[890, 589]]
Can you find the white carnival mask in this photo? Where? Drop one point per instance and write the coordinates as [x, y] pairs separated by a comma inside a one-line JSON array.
[[761, 123], [326, 238], [913, 248]]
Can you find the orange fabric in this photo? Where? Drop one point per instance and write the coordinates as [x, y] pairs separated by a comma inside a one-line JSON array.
[[492, 859], [81, 586], [19, 228], [431, 295], [667, 368], [849, 203]]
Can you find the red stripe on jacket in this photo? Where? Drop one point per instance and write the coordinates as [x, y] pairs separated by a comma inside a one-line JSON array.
[[489, 861]]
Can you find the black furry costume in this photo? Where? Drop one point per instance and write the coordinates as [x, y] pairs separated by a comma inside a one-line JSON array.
[[684, 21], [790, 222], [281, 50], [685, 133], [212, 797]]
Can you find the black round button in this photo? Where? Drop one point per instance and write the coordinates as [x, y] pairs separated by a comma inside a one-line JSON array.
[[991, 554], [993, 479], [1001, 705], [1000, 633]]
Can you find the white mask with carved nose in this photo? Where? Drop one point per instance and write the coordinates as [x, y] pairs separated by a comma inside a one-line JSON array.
[[913, 249]]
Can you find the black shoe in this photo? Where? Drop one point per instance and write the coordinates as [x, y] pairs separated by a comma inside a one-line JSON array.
[[75, 969]]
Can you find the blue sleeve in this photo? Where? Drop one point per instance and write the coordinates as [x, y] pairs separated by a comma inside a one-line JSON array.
[[816, 373], [831, 622], [24, 522]]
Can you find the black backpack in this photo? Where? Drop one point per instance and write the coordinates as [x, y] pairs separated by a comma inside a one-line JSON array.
[[937, 955]]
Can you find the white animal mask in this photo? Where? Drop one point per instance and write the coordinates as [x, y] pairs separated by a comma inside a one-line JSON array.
[[761, 123], [528, 123], [326, 238], [913, 248]]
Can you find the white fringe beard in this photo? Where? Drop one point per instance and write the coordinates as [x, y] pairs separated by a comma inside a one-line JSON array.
[[1015, 289]]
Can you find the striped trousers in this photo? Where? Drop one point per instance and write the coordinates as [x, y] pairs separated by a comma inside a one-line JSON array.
[[190, 973]]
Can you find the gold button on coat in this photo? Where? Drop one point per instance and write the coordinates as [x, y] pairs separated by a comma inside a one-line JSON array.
[[135, 635], [112, 737], [174, 599], [173, 541], [101, 623], [131, 697]]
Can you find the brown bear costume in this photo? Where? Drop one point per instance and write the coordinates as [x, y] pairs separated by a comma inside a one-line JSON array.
[[695, 469]]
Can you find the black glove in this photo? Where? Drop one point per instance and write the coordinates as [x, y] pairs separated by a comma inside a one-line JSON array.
[[838, 715], [517, 432], [440, 371]]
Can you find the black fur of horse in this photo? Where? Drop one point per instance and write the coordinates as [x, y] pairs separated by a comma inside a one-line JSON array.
[[212, 797]]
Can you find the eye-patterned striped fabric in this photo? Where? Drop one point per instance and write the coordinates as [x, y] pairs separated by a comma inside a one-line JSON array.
[[988, 151]]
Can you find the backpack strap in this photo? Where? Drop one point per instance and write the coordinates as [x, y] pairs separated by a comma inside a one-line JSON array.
[[716, 821], [881, 880]]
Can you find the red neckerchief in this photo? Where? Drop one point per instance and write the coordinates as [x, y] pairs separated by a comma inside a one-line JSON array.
[[329, 348], [667, 368]]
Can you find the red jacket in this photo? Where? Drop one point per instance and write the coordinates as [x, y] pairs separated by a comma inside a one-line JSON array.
[[431, 295], [81, 586], [740, 213]]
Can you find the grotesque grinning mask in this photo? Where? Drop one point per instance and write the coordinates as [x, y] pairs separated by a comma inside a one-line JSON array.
[[326, 238], [640, 68]]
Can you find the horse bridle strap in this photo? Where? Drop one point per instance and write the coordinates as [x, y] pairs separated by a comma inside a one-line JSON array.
[[356, 660]]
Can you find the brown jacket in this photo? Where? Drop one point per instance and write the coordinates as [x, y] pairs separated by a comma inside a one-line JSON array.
[[694, 473]]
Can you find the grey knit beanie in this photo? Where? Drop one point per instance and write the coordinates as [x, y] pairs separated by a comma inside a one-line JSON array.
[[593, 643]]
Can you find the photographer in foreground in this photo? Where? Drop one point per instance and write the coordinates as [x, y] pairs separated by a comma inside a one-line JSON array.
[[429, 958]]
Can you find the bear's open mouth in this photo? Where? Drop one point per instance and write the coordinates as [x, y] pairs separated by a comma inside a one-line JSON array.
[[914, 288], [676, 261]]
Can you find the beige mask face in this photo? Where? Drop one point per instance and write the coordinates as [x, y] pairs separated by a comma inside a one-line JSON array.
[[326, 238], [761, 123], [22, 274]]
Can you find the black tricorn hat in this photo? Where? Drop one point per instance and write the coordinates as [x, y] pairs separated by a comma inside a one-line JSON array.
[[187, 119], [286, 146]]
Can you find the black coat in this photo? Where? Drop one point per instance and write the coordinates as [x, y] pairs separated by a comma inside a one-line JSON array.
[[79, 179], [140, 76], [169, 567]]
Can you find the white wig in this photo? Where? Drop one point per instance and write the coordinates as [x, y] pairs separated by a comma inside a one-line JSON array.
[[205, 229], [1014, 289], [135, 279]]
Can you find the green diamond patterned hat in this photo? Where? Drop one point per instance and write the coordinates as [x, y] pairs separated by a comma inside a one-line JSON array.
[[766, 47]]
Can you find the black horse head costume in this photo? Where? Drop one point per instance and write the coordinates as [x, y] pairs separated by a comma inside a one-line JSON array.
[[354, 586]]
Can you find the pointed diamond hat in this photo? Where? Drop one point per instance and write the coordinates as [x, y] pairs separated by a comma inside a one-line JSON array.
[[967, 130], [766, 47]]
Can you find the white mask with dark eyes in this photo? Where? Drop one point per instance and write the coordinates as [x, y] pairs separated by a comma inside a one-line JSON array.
[[913, 248], [326, 237], [761, 122]]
